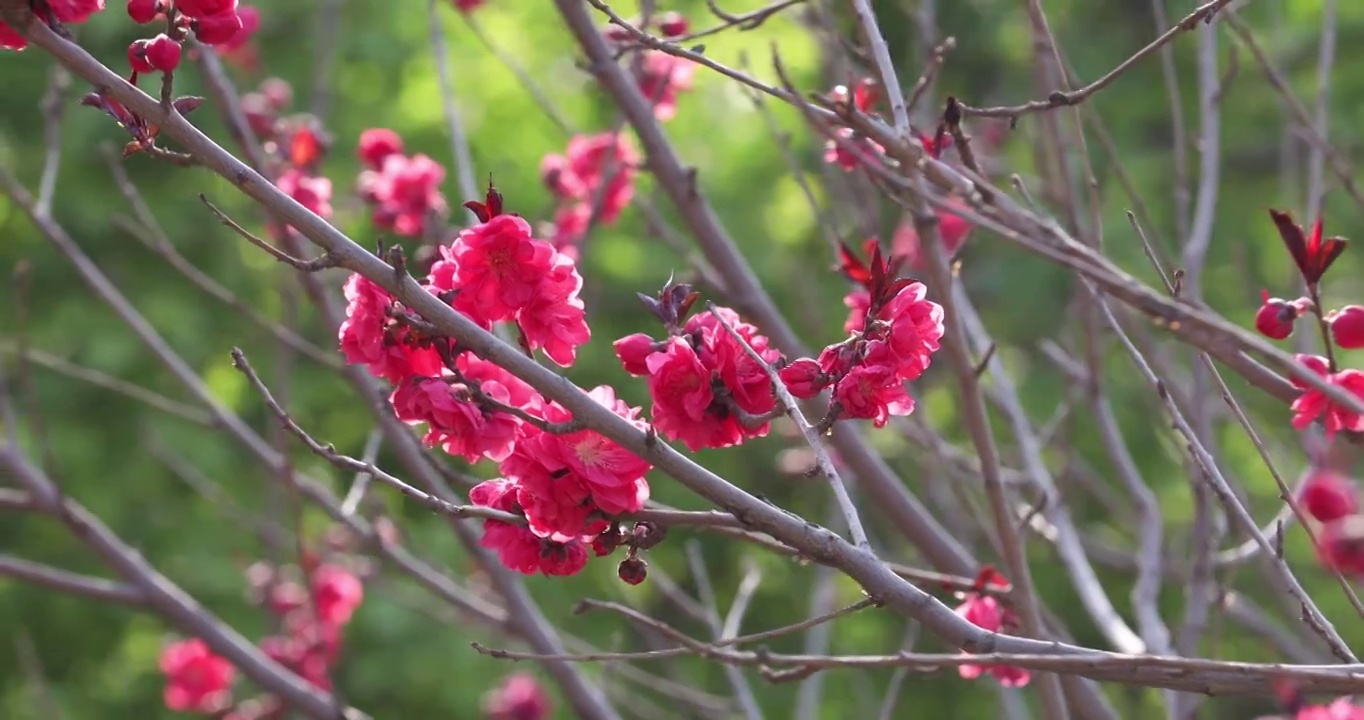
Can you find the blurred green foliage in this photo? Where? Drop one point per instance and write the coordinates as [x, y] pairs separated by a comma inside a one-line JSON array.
[[407, 656]]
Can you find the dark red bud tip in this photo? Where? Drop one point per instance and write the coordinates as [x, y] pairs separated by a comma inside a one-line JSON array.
[[633, 570], [491, 206], [1347, 327]]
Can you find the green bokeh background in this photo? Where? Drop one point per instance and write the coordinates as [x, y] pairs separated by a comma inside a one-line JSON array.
[[407, 657]]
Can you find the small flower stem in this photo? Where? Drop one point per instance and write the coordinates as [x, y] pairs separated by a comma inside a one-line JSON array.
[[1314, 294]]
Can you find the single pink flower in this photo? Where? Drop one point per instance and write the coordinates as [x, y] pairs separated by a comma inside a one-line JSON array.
[[376, 144], [661, 78], [1314, 404], [519, 697], [558, 473], [368, 337], [516, 546], [915, 330], [554, 318], [986, 612], [337, 593], [872, 392], [455, 421], [196, 679], [499, 267]]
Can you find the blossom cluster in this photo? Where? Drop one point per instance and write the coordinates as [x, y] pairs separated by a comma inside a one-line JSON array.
[[893, 335], [986, 611], [1343, 328], [658, 75], [568, 483], [593, 182], [311, 608], [402, 190], [707, 390], [68, 12], [1332, 499]]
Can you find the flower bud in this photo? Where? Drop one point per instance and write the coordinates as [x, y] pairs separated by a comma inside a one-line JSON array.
[[1328, 496], [1275, 317], [804, 378], [218, 29], [633, 351], [143, 11], [1347, 327], [163, 53], [1342, 545], [137, 57], [672, 24], [633, 570]]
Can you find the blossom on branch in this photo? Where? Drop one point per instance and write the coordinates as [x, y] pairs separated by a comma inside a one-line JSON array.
[[1313, 403], [196, 679], [707, 391]]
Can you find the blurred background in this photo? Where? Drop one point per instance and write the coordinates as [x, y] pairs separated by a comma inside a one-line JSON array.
[[179, 490]]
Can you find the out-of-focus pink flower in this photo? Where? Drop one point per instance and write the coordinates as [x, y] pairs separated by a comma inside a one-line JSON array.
[[196, 679], [1341, 545], [1327, 495], [953, 230], [519, 697], [376, 144], [594, 168], [661, 78], [337, 593], [404, 191], [854, 150], [313, 192], [986, 612]]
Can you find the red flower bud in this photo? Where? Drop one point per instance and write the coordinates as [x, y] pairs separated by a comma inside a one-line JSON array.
[[672, 24], [1342, 545], [218, 29], [163, 53], [137, 57], [633, 351], [1275, 317], [143, 11], [1347, 327], [633, 570], [1328, 496], [804, 378]]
